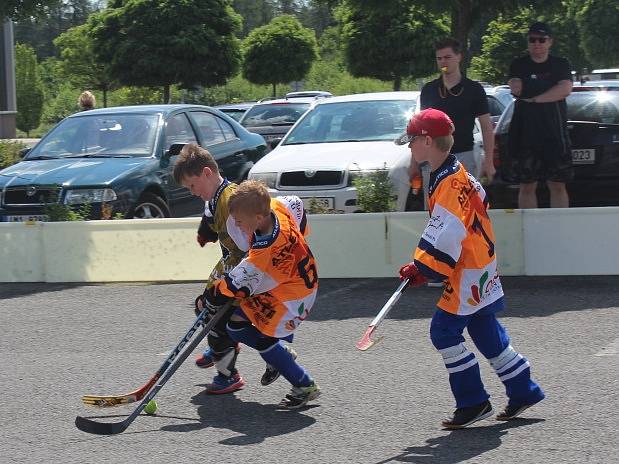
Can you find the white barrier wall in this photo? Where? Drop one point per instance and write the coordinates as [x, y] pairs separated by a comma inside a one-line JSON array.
[[579, 241]]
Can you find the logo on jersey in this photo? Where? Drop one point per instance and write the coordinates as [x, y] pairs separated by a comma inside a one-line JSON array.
[[483, 289]]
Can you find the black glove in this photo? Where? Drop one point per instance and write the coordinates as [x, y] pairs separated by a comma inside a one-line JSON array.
[[205, 233], [212, 300]]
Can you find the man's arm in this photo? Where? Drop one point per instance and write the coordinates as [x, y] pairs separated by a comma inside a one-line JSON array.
[[556, 93], [487, 133]]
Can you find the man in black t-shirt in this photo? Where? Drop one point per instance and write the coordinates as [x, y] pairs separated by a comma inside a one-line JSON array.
[[538, 144], [462, 100]]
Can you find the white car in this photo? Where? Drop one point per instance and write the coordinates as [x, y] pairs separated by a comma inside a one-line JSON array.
[[337, 139]]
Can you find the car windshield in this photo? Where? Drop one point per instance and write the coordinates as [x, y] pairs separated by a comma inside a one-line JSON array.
[[353, 122], [595, 106], [273, 114], [100, 136]]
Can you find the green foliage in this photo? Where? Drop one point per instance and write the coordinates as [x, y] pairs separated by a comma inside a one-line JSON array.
[[282, 51], [375, 192], [57, 212], [9, 153], [315, 207], [29, 89], [78, 63], [505, 39], [61, 104], [16, 9], [597, 22], [155, 43], [390, 41]]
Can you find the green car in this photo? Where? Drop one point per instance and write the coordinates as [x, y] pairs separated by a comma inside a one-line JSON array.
[[119, 161]]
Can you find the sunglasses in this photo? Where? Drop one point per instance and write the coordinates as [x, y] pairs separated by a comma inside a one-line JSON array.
[[538, 39]]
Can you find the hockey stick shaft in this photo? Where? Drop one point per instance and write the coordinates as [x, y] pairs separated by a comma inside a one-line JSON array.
[[111, 428], [137, 395], [366, 341]]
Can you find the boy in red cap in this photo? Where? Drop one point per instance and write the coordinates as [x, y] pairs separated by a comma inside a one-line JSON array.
[[457, 246]]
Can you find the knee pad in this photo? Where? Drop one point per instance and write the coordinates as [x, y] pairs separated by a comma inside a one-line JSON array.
[[225, 361], [220, 342]]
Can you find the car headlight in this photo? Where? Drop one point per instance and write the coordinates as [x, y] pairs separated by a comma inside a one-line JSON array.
[[269, 178], [82, 196]]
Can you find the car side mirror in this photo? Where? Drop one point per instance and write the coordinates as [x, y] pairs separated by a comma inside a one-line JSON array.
[[273, 143], [174, 150], [23, 152]]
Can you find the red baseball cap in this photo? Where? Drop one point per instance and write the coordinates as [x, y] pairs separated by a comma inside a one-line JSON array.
[[430, 122]]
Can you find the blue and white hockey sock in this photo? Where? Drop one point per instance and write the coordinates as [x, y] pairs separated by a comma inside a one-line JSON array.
[[514, 371], [464, 376], [278, 357]]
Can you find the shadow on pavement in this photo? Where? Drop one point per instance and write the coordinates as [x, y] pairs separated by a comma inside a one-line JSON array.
[[253, 421], [459, 445], [340, 299], [16, 290]]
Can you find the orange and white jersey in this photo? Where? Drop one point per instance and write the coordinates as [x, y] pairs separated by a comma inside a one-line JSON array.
[[277, 281], [457, 245]]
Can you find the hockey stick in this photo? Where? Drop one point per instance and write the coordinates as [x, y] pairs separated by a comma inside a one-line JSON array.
[[103, 401], [366, 341], [173, 362]]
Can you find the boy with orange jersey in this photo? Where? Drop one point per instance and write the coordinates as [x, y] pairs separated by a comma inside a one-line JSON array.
[[276, 283], [457, 246]]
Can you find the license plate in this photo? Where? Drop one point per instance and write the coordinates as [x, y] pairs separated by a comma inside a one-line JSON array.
[[583, 156], [318, 201], [25, 218]]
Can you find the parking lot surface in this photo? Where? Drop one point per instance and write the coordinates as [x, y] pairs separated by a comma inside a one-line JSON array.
[[60, 341]]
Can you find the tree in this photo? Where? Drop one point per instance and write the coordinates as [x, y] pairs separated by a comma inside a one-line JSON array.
[[164, 42], [391, 42], [597, 22], [39, 32], [280, 52], [79, 64], [505, 39], [16, 9], [29, 89]]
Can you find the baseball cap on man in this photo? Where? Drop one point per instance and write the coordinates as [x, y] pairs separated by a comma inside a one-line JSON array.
[[540, 28], [430, 122]]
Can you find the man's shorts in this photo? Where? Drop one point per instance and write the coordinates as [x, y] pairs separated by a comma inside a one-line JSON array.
[[538, 164]]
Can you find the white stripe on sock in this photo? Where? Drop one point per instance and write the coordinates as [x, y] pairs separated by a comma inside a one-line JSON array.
[[505, 377], [462, 367]]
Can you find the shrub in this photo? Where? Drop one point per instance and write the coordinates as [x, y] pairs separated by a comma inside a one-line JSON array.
[[9, 153], [375, 192]]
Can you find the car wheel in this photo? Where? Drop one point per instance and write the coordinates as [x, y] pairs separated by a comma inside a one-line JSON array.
[[150, 206]]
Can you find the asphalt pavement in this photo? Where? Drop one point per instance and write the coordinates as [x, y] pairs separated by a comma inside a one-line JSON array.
[[60, 341]]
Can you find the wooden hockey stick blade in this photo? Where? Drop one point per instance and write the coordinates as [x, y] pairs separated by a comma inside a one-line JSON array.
[[106, 401], [111, 428]]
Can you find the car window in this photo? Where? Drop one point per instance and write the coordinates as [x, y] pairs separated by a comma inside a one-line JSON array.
[[270, 114], [495, 106], [178, 130], [227, 129], [595, 106], [210, 127], [100, 135], [353, 121]]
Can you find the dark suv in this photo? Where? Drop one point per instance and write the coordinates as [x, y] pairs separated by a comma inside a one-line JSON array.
[[123, 158], [593, 126], [273, 118]]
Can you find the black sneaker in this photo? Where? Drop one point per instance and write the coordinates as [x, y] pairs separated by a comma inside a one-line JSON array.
[[464, 417], [271, 374], [299, 396], [511, 412]]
